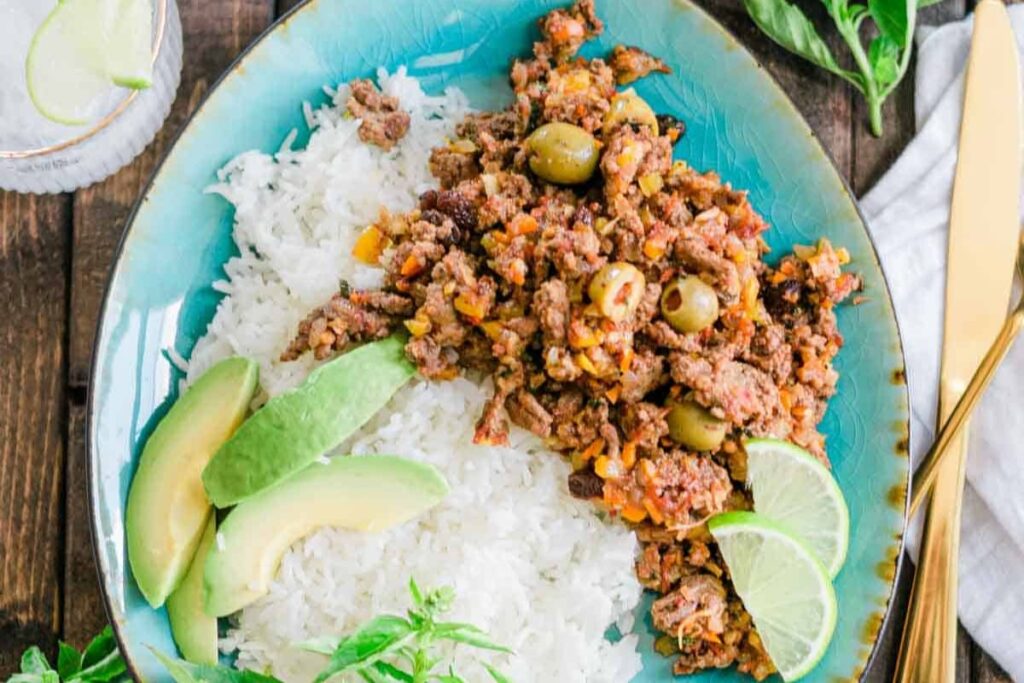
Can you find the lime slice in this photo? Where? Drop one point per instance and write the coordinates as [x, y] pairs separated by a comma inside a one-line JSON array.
[[792, 488], [784, 587], [82, 49]]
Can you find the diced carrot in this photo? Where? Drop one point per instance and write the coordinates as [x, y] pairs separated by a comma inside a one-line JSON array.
[[567, 30], [654, 249], [417, 327], [653, 511], [626, 360], [629, 454], [605, 467], [634, 514], [648, 469], [594, 449], [411, 266], [370, 245], [586, 364], [581, 336], [613, 395], [786, 399], [522, 224], [470, 306], [492, 328], [517, 274]]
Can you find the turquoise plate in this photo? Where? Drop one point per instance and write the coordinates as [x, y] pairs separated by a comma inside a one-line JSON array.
[[739, 123]]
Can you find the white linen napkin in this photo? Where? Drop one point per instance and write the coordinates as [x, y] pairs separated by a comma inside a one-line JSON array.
[[908, 215]]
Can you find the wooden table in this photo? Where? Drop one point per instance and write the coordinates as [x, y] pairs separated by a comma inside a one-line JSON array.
[[55, 253]]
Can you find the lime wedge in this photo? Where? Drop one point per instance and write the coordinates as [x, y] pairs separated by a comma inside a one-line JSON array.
[[793, 488], [783, 586], [82, 49]]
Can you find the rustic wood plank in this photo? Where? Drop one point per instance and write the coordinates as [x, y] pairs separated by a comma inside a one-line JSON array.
[[84, 614], [873, 156], [985, 669], [34, 252], [215, 32], [283, 6]]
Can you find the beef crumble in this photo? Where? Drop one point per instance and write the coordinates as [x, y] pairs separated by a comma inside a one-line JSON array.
[[558, 292], [383, 123]]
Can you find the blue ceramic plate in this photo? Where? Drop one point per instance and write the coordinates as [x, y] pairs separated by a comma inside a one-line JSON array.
[[739, 123]]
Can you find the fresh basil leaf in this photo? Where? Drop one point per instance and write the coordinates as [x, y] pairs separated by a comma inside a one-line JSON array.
[[186, 672], [325, 645], [855, 14], [884, 56], [69, 660], [34, 662], [25, 678], [393, 671], [106, 669], [417, 594], [894, 19], [468, 634], [101, 646], [788, 26], [496, 675], [438, 601], [374, 639]]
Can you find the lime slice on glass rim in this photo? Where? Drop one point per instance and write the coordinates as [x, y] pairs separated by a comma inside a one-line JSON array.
[[791, 487], [82, 49], [784, 587]]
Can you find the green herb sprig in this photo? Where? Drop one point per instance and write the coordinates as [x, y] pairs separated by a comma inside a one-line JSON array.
[[879, 68], [100, 662], [392, 648], [386, 649]]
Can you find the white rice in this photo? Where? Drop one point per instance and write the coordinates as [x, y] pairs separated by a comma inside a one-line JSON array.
[[540, 571]]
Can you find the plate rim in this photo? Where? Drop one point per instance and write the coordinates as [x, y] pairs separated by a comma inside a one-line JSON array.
[[237, 64]]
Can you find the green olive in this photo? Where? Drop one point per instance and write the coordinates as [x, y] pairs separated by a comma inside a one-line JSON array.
[[562, 153], [628, 107], [693, 426], [689, 304], [616, 290]]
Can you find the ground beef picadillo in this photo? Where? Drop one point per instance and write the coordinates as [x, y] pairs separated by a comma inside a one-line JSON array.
[[492, 273]]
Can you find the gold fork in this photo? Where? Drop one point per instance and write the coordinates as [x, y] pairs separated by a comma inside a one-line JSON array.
[[925, 475]]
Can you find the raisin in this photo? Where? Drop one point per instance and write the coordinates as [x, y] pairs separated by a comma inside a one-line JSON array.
[[781, 299], [672, 127], [433, 216], [428, 200], [458, 208], [586, 484]]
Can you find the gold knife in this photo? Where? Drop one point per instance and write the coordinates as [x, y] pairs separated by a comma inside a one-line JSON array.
[[983, 230]]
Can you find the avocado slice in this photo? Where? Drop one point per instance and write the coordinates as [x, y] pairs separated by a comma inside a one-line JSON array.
[[297, 427], [195, 632], [362, 493], [167, 508]]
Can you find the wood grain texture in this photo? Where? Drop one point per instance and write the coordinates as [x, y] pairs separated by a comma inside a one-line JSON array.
[[84, 614], [985, 670], [215, 32], [34, 254]]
